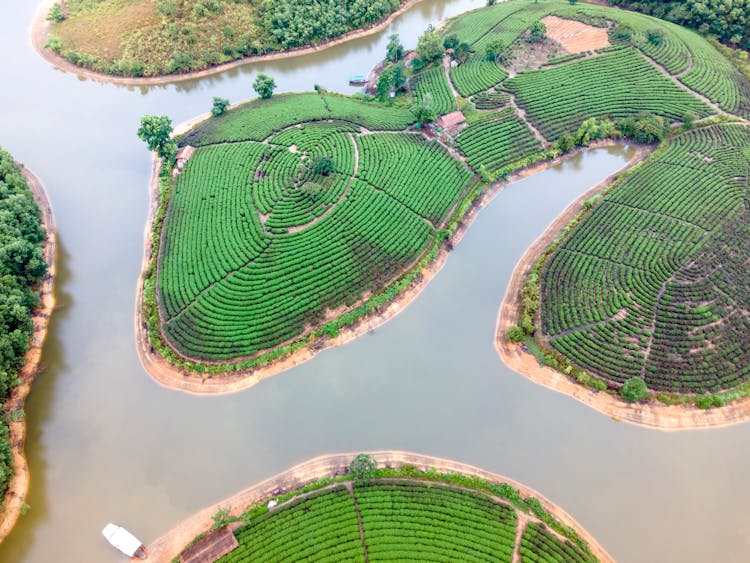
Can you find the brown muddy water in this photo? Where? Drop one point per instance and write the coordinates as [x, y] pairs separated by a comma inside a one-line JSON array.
[[108, 444]]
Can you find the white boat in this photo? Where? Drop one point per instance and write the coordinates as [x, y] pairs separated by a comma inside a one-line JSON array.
[[123, 540]]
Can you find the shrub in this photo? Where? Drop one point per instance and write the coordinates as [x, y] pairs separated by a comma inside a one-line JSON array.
[[515, 334], [220, 106], [56, 13], [634, 390], [363, 469]]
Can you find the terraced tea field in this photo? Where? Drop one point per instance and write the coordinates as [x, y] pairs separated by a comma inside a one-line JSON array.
[[400, 520], [620, 84], [653, 282], [259, 247]]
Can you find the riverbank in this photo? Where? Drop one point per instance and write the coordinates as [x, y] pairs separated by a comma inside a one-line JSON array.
[[40, 31], [171, 543], [15, 497], [652, 414]]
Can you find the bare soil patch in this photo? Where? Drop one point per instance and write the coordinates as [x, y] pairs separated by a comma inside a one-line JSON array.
[[575, 37], [170, 544], [15, 496]]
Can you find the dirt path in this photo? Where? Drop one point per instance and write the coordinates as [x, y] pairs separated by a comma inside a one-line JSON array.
[[522, 115], [15, 497], [170, 544], [40, 30], [650, 415]]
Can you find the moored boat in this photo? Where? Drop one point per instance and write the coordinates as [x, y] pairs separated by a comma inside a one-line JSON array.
[[357, 79], [124, 541]]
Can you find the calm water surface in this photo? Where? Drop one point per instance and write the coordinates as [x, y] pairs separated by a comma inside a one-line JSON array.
[[106, 443]]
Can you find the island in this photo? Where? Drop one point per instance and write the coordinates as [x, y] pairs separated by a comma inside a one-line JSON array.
[[160, 41], [290, 224], [382, 506]]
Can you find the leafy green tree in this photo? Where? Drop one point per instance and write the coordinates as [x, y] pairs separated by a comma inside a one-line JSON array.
[[566, 142], [363, 469], [394, 50], [688, 120], [424, 112], [493, 51], [462, 52], [634, 389], [537, 33], [322, 165], [56, 13], [398, 76], [311, 189], [264, 85], [450, 41], [623, 32], [515, 334], [384, 85], [220, 106], [430, 46], [156, 131]]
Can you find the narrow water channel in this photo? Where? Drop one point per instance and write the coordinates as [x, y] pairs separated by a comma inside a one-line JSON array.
[[108, 444]]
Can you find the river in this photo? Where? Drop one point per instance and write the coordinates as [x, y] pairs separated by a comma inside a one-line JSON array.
[[106, 443]]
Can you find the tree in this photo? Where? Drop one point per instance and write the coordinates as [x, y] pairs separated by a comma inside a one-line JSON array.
[[623, 32], [363, 469], [219, 107], [537, 33], [424, 113], [515, 334], [398, 77], [156, 131], [450, 41], [322, 165], [264, 85], [56, 14], [429, 46], [384, 85], [566, 142], [493, 50], [634, 389], [462, 52], [394, 50]]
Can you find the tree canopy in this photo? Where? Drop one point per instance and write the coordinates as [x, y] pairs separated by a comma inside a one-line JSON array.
[[363, 469], [156, 131], [264, 85], [22, 267]]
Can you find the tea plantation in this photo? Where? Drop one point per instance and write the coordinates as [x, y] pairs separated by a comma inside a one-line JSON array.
[[301, 214], [400, 520]]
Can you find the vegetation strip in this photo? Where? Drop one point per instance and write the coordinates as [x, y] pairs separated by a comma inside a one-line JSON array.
[[14, 498], [306, 486]]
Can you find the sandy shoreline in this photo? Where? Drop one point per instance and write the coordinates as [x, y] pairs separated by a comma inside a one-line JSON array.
[[15, 496], [650, 415], [171, 543], [40, 29]]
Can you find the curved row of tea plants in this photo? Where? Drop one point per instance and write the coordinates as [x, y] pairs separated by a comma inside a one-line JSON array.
[[406, 514], [22, 268], [620, 84], [654, 281], [258, 247]]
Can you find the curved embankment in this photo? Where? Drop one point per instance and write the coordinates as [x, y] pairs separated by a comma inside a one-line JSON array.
[[174, 377], [651, 414], [40, 29], [15, 496], [171, 543]]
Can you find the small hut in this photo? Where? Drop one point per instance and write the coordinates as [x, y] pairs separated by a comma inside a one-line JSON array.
[[211, 547], [183, 155], [451, 123]]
